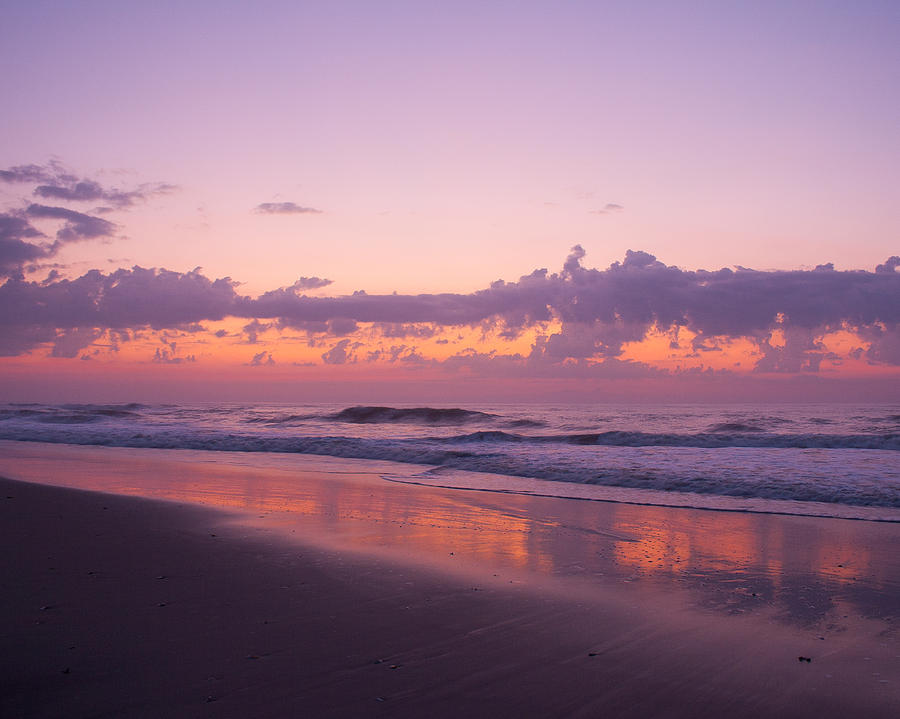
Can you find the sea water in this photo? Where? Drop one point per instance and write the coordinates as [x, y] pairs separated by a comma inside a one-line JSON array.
[[829, 460]]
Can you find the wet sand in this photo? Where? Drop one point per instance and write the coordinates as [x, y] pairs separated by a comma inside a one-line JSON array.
[[312, 587]]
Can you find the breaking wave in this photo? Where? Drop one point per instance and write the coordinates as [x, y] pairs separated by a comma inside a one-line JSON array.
[[813, 454], [415, 415]]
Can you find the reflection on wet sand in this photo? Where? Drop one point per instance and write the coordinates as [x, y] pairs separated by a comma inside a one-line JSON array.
[[805, 568]]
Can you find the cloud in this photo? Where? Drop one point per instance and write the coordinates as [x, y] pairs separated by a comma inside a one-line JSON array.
[[608, 208], [53, 171], [79, 191], [55, 182], [399, 330], [253, 330], [70, 342], [167, 356], [89, 191], [78, 226], [285, 208], [31, 312], [262, 359], [59, 183], [309, 283], [340, 353], [597, 312], [14, 250]]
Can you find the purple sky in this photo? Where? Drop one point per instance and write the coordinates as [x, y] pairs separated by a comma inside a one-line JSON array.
[[433, 149]]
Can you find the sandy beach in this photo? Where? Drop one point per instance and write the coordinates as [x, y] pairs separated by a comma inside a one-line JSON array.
[[176, 583]]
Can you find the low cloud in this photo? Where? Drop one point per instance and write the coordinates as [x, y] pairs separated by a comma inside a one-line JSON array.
[[890, 266], [70, 342], [253, 329], [341, 353], [310, 283], [168, 356], [597, 312], [285, 208], [262, 359]]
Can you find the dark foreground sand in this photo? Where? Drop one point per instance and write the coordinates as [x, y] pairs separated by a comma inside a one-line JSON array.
[[123, 606]]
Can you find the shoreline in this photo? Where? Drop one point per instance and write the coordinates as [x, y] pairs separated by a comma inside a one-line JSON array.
[[513, 605], [477, 481], [860, 509]]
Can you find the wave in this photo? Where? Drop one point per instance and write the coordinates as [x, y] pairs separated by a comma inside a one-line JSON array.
[[72, 413], [741, 452], [416, 415], [617, 470], [282, 419], [524, 423], [489, 436], [700, 441], [889, 441], [735, 427], [129, 407]]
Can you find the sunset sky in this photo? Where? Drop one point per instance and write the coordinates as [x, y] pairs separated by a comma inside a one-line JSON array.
[[407, 201]]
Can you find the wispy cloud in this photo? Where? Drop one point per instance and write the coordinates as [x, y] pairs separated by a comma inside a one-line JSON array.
[[21, 242], [59, 183], [285, 208], [608, 209]]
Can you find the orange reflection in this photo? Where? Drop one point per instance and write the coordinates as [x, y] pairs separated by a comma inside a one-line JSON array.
[[346, 503]]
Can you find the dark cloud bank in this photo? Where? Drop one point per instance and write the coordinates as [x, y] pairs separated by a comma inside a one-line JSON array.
[[599, 310]]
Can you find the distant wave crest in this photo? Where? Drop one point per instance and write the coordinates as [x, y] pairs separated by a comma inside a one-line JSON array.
[[415, 415], [735, 427], [703, 440], [72, 413]]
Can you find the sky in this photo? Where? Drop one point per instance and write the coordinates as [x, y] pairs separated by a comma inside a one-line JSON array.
[[406, 201]]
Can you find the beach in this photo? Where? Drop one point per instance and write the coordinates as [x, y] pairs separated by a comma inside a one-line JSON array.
[[191, 583]]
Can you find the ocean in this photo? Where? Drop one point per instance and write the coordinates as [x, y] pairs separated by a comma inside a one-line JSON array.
[[817, 460]]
